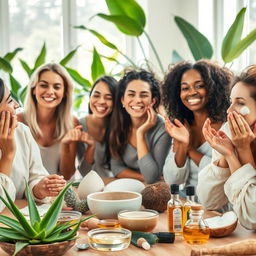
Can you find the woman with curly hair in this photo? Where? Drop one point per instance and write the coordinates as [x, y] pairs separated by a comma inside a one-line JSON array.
[[191, 94], [47, 112], [138, 141], [231, 175]]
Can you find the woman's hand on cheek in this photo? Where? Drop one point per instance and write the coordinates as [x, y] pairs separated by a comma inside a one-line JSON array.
[[8, 124], [49, 186], [150, 122]]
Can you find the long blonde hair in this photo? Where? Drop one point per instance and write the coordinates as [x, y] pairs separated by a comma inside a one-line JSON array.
[[64, 119]]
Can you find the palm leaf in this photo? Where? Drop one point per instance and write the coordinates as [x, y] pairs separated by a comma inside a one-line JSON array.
[[124, 23], [10, 55], [97, 67], [5, 65], [26, 67], [199, 45], [233, 35], [79, 79], [69, 56], [40, 58]]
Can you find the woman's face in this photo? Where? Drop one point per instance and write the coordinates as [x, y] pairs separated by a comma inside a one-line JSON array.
[[8, 103], [137, 98], [241, 97], [193, 93], [49, 90], [101, 100]]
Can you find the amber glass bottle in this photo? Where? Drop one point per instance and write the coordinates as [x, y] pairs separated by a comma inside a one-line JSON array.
[[174, 211], [196, 230], [190, 200]]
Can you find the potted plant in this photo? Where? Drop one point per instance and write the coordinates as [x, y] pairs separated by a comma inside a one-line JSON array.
[[39, 236]]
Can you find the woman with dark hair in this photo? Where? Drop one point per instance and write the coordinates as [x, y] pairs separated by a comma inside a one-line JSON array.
[[138, 142], [231, 176], [191, 94], [92, 147], [20, 159]]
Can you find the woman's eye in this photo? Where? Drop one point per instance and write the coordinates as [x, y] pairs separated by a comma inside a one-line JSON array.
[[199, 86], [44, 85], [184, 88]]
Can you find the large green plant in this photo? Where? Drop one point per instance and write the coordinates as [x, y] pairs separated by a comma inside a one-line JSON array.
[[232, 45], [38, 230]]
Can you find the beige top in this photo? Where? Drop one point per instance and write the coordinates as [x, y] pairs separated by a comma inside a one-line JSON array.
[[51, 157], [217, 187]]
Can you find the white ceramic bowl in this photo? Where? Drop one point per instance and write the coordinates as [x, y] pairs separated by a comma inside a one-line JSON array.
[[107, 205]]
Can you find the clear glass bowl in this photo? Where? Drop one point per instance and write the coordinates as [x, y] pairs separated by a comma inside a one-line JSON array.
[[66, 216], [141, 220], [102, 239]]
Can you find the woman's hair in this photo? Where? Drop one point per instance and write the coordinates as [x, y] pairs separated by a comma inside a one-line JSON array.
[[2, 90], [248, 76], [64, 119], [216, 80], [112, 86], [121, 121]]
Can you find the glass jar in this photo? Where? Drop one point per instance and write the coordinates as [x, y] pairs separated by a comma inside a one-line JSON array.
[[195, 230]]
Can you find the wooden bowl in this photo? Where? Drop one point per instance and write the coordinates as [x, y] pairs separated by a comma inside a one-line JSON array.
[[53, 249]]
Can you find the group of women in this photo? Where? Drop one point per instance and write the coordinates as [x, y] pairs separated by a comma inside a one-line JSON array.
[[124, 136]]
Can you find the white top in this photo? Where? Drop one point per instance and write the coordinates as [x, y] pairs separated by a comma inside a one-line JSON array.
[[27, 165], [217, 188], [51, 157]]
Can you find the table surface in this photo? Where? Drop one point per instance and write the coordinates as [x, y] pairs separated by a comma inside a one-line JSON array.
[[178, 248]]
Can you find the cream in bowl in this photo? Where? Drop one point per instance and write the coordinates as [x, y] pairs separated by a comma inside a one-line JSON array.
[[140, 220], [106, 205]]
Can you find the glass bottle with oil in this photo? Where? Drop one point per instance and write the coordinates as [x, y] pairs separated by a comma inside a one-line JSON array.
[[190, 200], [174, 211], [196, 230]]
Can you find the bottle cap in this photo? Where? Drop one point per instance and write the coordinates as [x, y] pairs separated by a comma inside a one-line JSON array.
[[175, 189], [190, 190], [196, 207], [165, 237]]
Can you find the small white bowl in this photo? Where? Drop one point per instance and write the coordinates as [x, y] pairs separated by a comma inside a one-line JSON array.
[[107, 205]]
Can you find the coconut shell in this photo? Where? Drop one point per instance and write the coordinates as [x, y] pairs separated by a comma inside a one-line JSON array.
[[156, 196], [224, 231]]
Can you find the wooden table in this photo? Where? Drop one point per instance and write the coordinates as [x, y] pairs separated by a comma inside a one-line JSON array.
[[178, 248]]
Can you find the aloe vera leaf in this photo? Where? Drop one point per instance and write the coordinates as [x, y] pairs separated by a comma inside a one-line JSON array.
[[19, 216], [5, 239], [33, 211], [12, 234], [41, 235], [50, 218], [19, 246], [14, 224]]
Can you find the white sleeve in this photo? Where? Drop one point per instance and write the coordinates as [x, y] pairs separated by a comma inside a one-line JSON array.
[[210, 187], [6, 182], [240, 189]]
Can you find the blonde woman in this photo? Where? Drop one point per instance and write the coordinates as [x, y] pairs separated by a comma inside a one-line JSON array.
[[47, 112]]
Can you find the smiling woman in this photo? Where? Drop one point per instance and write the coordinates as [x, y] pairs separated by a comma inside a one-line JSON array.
[[191, 93], [47, 112], [138, 142]]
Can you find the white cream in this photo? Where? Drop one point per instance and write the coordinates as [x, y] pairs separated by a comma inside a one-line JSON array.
[[244, 111]]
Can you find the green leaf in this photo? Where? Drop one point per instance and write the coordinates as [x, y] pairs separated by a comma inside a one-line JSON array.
[[18, 215], [10, 55], [124, 23], [79, 79], [50, 218], [5, 65], [78, 101], [97, 67], [69, 56], [176, 57], [14, 224], [41, 57], [15, 85], [12, 234], [199, 45], [233, 35], [128, 8], [22, 94], [26, 67], [241, 46], [99, 36], [19, 246], [33, 212]]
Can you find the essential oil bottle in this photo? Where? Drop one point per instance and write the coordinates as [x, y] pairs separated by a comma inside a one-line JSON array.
[[174, 211], [190, 200]]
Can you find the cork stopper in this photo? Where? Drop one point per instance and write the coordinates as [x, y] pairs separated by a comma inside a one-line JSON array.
[[196, 207]]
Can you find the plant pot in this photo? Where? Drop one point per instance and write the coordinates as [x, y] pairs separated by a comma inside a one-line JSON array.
[[53, 249]]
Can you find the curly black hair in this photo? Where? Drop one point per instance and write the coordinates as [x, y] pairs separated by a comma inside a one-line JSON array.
[[217, 80], [120, 120]]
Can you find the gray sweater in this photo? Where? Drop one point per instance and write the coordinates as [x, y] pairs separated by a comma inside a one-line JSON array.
[[99, 156], [151, 165]]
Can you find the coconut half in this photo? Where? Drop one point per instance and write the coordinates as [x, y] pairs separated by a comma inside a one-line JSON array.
[[222, 225]]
